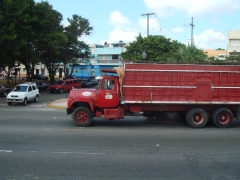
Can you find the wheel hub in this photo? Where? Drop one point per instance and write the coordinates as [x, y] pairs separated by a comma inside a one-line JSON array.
[[198, 118], [224, 118], [82, 117]]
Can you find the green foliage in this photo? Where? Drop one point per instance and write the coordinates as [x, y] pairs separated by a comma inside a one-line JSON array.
[[50, 37], [73, 49], [233, 58], [32, 32], [158, 48], [15, 26], [188, 54], [161, 49]]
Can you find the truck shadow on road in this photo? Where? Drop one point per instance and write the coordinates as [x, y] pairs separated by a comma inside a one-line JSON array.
[[173, 121]]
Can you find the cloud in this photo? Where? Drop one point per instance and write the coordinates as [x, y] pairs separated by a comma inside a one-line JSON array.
[[122, 28], [153, 24], [192, 8], [118, 20], [210, 38], [177, 30], [127, 35]]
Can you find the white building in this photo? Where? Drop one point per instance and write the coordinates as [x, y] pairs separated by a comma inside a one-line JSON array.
[[233, 46]]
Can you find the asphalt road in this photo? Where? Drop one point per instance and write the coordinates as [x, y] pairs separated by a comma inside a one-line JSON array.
[[38, 142]]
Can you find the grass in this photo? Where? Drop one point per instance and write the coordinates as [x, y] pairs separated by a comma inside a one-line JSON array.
[[11, 82]]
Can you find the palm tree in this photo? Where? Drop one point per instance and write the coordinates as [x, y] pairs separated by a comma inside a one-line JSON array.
[[188, 54]]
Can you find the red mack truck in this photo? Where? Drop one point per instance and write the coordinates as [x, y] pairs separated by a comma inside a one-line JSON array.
[[201, 92]]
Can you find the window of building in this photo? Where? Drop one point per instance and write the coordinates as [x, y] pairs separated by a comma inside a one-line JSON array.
[[232, 42], [114, 56]]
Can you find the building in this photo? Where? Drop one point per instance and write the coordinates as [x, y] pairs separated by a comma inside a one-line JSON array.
[[233, 46], [217, 54], [102, 56]]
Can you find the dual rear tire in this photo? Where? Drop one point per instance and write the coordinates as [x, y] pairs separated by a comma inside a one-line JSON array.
[[222, 118], [198, 118]]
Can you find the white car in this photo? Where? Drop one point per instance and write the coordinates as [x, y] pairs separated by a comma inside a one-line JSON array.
[[23, 93]]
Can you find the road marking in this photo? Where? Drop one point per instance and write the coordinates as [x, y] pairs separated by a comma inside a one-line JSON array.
[[75, 153], [6, 151], [10, 151]]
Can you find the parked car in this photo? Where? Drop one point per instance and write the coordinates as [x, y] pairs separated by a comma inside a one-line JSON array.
[[4, 91], [39, 77], [22, 93], [10, 76], [84, 82], [62, 86], [42, 86], [92, 83]]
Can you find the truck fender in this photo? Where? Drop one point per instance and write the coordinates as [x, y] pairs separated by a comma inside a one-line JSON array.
[[86, 101]]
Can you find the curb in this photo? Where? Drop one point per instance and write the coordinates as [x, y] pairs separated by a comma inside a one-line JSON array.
[[56, 106]]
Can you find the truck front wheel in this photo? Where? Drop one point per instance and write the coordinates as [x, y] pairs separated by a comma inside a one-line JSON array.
[[197, 118], [82, 116], [222, 118]]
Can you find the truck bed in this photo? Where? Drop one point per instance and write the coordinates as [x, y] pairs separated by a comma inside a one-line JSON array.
[[181, 84]]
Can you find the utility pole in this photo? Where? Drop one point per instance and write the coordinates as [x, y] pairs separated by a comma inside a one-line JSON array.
[[148, 14], [192, 40]]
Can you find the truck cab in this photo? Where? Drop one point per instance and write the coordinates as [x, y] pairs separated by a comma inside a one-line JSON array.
[[102, 101], [107, 94]]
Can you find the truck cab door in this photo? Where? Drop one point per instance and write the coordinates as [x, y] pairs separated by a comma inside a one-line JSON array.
[[109, 93]]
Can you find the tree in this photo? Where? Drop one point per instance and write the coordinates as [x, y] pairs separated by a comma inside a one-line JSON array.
[[51, 37], [28, 36], [15, 18], [158, 48], [73, 48], [188, 54]]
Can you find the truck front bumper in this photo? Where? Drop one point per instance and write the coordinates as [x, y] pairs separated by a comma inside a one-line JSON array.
[[68, 111]]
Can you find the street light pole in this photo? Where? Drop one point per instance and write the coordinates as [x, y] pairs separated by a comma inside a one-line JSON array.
[[144, 55], [192, 40], [148, 14]]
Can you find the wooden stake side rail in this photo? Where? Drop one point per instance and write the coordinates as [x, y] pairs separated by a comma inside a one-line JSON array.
[[181, 84]]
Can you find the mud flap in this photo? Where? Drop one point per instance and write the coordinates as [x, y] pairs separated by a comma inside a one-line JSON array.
[[238, 112]]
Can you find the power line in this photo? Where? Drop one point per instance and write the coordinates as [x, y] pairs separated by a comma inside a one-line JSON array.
[[216, 37]]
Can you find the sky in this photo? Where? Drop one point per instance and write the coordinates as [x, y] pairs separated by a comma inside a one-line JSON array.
[[124, 20]]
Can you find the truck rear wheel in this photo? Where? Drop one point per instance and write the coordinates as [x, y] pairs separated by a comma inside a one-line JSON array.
[[222, 118], [82, 116], [197, 118]]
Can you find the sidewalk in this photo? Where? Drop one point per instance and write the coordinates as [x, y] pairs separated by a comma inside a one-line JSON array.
[[58, 104]]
